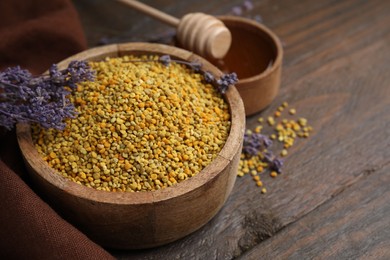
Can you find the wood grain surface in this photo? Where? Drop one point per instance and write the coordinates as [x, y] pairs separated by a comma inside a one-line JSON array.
[[332, 199]]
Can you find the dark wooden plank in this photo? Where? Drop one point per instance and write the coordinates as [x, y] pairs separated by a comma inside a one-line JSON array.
[[353, 225], [111, 22], [337, 57]]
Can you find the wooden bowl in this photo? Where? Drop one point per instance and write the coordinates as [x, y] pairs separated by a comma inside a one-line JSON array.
[[134, 220], [256, 56]]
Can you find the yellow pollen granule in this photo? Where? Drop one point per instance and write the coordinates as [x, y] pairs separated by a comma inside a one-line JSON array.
[[292, 111]]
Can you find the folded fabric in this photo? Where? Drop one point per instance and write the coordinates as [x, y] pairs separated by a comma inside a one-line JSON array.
[[35, 34]]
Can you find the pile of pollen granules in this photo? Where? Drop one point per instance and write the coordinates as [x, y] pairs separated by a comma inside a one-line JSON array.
[[141, 126], [284, 128]]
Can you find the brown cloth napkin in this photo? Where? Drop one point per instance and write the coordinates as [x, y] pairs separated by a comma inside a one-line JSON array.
[[35, 34]]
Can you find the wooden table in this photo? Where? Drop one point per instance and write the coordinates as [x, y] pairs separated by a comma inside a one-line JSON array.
[[333, 199]]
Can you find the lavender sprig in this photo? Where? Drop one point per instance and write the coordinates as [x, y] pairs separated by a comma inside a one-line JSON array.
[[194, 65], [222, 83], [43, 99]]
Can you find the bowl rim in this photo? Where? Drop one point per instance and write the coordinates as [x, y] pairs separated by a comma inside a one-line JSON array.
[[240, 22], [233, 143]]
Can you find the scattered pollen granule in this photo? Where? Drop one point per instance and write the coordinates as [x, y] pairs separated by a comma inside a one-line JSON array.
[[284, 130], [141, 126]]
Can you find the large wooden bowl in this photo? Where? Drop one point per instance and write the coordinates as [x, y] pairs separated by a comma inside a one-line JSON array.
[[134, 220]]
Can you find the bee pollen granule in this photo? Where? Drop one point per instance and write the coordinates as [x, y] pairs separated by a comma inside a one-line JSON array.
[[141, 126]]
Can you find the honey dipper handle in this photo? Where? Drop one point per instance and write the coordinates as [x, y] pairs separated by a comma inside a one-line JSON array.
[[163, 17]]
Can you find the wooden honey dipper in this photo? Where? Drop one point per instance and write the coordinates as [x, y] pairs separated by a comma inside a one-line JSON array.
[[198, 32]]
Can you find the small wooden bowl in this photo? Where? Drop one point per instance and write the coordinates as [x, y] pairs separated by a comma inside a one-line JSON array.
[[134, 220], [256, 56]]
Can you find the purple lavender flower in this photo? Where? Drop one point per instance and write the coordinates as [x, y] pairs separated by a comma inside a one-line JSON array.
[[277, 165], [255, 143], [268, 156], [274, 162], [42, 100], [263, 141], [226, 80], [77, 71], [248, 5], [208, 77], [237, 10], [15, 74], [165, 59], [194, 65]]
